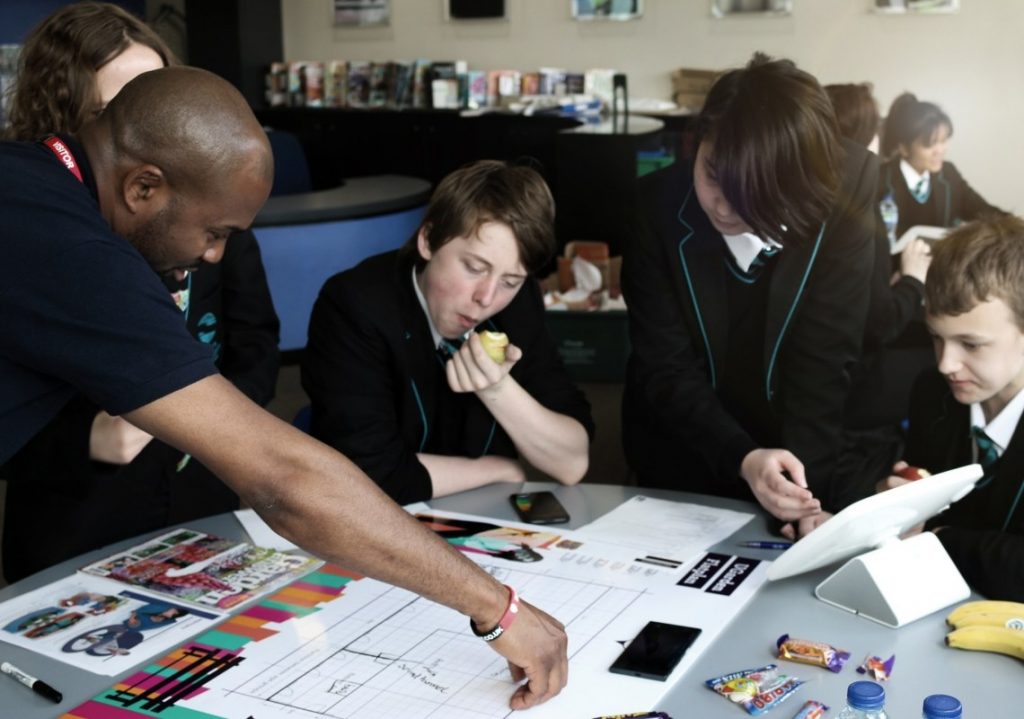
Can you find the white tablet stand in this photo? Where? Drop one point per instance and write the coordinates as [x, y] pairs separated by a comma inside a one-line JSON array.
[[899, 582], [884, 579]]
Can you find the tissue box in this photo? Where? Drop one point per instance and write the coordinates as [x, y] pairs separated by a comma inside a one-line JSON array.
[[596, 253], [593, 343]]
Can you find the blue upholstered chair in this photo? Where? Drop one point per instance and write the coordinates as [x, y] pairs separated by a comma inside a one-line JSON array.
[[291, 170]]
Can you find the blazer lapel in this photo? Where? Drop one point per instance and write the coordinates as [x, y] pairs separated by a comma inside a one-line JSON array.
[[699, 248], [1008, 484], [416, 345], [943, 199], [788, 283]]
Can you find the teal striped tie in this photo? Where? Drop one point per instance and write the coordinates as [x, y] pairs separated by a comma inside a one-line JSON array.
[[988, 455], [446, 349], [920, 191]]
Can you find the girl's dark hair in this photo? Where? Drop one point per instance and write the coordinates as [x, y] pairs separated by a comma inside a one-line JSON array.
[[492, 191], [55, 90], [910, 119], [774, 147], [856, 111]]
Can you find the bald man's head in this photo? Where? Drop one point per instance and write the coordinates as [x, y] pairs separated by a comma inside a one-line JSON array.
[[180, 163], [191, 123]]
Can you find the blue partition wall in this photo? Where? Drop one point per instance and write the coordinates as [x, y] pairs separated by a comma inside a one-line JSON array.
[[300, 258]]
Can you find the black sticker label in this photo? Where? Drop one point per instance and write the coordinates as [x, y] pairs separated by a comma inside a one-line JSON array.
[[733, 576], [702, 572]]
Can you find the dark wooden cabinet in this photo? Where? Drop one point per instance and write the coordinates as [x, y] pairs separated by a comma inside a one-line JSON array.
[[591, 170], [422, 143], [237, 39]]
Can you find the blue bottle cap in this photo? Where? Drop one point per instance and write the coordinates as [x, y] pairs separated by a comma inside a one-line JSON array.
[[865, 695], [942, 706]]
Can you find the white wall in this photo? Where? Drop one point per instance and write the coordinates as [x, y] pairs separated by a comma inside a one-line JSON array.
[[969, 63]]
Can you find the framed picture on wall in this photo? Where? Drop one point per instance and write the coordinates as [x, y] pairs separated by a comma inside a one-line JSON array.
[[474, 9], [607, 9], [922, 6], [360, 13], [743, 8]]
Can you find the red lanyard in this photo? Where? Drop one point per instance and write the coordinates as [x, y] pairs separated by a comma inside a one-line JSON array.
[[63, 153]]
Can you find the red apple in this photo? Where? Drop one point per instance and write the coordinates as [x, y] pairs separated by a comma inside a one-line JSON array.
[[912, 473]]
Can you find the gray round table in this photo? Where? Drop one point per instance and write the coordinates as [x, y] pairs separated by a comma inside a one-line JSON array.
[[985, 683]]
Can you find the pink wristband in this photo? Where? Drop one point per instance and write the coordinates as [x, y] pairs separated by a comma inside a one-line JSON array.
[[511, 612]]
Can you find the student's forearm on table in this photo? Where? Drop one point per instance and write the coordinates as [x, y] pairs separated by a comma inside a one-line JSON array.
[[553, 443], [449, 475]]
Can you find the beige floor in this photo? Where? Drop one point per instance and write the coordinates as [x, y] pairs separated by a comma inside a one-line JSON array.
[[607, 464]]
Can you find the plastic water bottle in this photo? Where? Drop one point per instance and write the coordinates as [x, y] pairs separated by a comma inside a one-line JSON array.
[[942, 706], [864, 700], [890, 217]]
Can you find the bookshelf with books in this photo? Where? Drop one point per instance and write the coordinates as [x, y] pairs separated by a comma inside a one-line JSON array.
[[439, 115]]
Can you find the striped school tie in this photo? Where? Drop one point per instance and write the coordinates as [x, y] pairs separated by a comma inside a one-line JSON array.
[[921, 190], [447, 348], [988, 455]]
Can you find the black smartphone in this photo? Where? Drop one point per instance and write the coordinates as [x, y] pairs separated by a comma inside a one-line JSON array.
[[539, 508], [655, 651]]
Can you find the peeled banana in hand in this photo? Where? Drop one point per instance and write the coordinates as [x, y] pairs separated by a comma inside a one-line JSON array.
[[988, 626]]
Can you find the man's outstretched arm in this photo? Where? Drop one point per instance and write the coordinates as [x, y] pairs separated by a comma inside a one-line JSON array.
[[318, 499]]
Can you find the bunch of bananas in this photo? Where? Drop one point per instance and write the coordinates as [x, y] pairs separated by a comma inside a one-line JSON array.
[[988, 626]]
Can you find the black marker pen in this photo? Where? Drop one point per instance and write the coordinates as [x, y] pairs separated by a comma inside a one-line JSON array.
[[39, 687]]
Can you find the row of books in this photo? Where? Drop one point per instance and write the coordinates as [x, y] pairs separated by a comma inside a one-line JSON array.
[[422, 84]]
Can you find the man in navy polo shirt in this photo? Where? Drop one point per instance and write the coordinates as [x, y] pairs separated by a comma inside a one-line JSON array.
[[175, 164]]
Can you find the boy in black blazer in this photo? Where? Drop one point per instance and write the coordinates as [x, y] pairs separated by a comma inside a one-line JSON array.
[[395, 369], [970, 408], [747, 297]]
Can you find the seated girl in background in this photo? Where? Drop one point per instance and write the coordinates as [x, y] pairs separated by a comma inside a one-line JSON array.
[[917, 186]]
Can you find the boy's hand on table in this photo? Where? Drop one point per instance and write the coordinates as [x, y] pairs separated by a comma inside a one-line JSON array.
[[804, 526], [788, 499], [536, 649]]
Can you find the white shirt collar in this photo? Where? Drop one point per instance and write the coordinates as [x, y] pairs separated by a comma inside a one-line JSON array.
[[746, 246], [423, 305], [1000, 430], [912, 176]]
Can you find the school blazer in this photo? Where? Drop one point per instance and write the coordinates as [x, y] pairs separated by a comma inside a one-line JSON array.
[[950, 201], [984, 531], [378, 390], [676, 431]]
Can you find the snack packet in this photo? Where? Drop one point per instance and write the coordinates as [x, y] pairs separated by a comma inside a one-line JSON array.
[[877, 669], [756, 690], [811, 710], [816, 653]]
